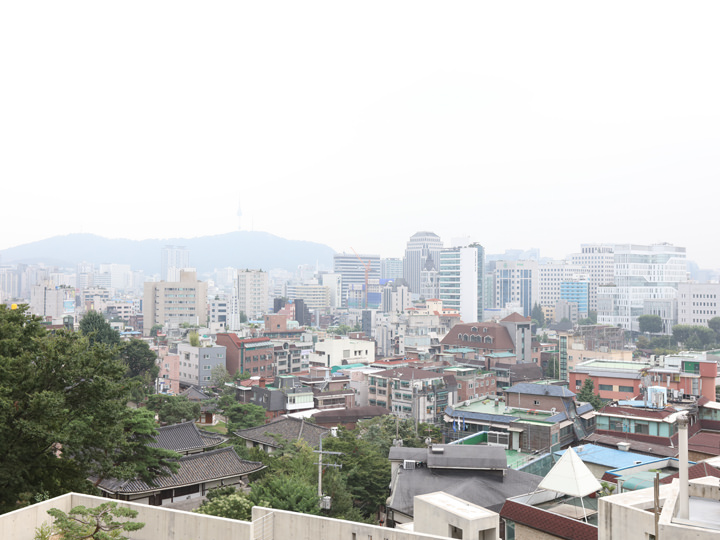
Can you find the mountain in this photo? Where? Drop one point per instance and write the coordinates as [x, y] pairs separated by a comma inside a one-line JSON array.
[[240, 249]]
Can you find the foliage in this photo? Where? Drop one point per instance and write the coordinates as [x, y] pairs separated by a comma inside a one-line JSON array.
[[538, 315], [243, 318], [695, 337], [194, 339], [714, 324], [228, 503], [219, 376], [383, 430], [139, 359], [155, 329], [607, 489], [552, 368], [173, 409], [589, 320], [284, 492], [99, 523], [587, 394], [98, 330], [61, 397], [651, 324], [340, 330], [243, 416]]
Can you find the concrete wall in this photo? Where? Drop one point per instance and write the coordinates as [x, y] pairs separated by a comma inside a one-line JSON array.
[[289, 525], [160, 523]]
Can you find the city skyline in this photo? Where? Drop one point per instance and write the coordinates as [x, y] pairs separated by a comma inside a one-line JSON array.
[[520, 125]]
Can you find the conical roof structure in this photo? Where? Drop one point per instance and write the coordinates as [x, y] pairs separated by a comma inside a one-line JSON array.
[[570, 476]]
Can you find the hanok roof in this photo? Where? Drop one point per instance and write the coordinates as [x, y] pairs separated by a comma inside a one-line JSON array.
[[185, 437], [194, 469], [540, 390], [289, 429], [570, 476], [194, 394], [350, 415]]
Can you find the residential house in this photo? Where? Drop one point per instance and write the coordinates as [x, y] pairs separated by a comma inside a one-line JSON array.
[[270, 437], [255, 356]]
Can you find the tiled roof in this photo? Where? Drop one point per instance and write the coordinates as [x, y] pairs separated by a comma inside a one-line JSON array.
[[699, 470], [638, 413], [194, 394], [290, 429], [500, 336], [548, 522], [185, 437], [651, 448], [516, 317], [407, 374], [707, 442], [351, 415], [194, 469]]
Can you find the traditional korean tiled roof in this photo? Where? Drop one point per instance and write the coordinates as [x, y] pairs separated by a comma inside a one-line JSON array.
[[289, 429], [194, 394], [186, 437], [553, 524], [194, 469]]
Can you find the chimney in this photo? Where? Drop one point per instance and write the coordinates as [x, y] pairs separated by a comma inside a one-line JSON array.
[[261, 384], [683, 498]]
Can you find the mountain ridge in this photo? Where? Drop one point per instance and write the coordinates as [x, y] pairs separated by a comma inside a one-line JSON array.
[[240, 249]]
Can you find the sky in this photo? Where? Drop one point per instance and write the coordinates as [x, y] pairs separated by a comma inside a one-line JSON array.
[[356, 124]]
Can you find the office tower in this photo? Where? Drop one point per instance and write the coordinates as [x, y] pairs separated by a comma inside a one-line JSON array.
[[552, 275], [421, 246], [352, 270], [645, 276], [173, 259], [516, 282], [598, 263], [461, 279], [391, 268]]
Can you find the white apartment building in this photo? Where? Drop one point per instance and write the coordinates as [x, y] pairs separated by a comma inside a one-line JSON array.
[[173, 259], [460, 281], [697, 303], [197, 363], [252, 292], [334, 283], [314, 295], [175, 302], [598, 261], [642, 273], [391, 268], [517, 282], [49, 301], [342, 351]]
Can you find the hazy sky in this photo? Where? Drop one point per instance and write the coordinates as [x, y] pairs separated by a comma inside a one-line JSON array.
[[520, 124]]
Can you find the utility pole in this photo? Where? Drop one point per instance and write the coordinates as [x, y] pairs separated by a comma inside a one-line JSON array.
[[323, 504]]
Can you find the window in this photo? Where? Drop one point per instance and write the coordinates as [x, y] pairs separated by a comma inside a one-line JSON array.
[[606, 387], [626, 389], [642, 427]]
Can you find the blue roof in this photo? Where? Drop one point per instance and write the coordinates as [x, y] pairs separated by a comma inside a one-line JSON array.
[[608, 457]]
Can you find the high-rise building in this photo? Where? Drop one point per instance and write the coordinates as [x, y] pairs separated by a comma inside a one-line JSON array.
[[252, 292], [172, 260], [644, 275], [175, 302], [391, 268], [461, 278], [517, 282], [552, 275], [351, 268], [421, 245], [698, 303], [598, 262]]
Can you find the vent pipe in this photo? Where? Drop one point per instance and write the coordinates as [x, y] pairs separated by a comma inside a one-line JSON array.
[[684, 498]]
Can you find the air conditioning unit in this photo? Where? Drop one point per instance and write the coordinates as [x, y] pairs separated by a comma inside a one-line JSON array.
[[408, 464]]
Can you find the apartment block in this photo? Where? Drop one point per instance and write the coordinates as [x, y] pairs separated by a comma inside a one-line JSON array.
[[175, 303], [197, 363], [697, 303]]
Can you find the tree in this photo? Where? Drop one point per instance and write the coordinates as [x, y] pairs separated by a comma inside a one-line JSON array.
[[243, 416], [98, 330], [99, 523], [538, 315], [681, 332], [219, 376], [64, 414], [139, 359], [243, 318], [587, 394], [714, 323], [284, 492], [591, 319], [173, 409], [232, 506], [194, 339], [651, 324]]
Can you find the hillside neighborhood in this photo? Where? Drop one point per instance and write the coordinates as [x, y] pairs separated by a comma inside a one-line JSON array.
[[448, 393]]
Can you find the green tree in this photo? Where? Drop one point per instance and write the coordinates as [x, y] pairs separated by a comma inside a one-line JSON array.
[[243, 318], [590, 319], [243, 416], [64, 414], [228, 503], [284, 492], [219, 376], [538, 315], [587, 394], [139, 359], [194, 339], [99, 523], [155, 329], [681, 332], [651, 324], [173, 409], [98, 330], [714, 324]]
